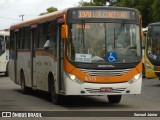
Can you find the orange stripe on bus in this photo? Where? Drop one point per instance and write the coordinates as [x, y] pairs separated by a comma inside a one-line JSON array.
[[44, 53], [102, 79]]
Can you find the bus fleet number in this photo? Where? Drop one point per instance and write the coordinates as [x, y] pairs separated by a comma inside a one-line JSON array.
[[90, 78]]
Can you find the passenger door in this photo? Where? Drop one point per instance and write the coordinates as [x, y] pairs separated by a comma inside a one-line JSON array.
[[60, 53]]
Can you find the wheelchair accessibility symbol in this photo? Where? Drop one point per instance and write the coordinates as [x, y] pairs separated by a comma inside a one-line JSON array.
[[111, 56]]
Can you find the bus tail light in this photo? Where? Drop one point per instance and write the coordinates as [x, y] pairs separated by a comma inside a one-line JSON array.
[[135, 78], [74, 78]]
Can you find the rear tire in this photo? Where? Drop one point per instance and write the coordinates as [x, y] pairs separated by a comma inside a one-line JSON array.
[[23, 85], [114, 98]]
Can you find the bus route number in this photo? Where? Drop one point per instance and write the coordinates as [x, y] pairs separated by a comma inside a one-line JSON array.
[[85, 14]]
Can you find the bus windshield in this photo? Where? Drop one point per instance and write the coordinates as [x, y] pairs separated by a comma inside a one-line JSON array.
[[104, 42], [2, 43], [153, 44]]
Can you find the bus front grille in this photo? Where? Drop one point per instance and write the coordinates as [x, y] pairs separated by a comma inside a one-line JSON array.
[[118, 72]]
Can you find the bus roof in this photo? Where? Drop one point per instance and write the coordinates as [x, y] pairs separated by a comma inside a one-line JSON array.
[[39, 19], [156, 23], [104, 7], [6, 33], [61, 12]]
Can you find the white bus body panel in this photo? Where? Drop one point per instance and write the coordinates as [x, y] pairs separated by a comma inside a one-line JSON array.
[[3, 61], [41, 68], [23, 63], [73, 88], [11, 69], [43, 65], [4, 58]]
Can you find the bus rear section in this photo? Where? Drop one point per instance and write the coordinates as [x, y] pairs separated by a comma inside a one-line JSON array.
[[152, 51], [4, 52], [79, 51]]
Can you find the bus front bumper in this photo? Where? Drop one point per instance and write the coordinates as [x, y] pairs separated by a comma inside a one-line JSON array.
[[73, 88]]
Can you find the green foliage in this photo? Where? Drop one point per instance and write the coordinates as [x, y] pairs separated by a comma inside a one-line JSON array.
[[144, 7], [149, 9], [99, 2], [49, 10], [156, 10], [93, 3]]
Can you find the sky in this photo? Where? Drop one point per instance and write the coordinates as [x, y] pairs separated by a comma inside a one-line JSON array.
[[10, 10]]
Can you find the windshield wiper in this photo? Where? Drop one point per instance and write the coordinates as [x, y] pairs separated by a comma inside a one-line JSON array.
[[114, 39], [121, 28], [83, 32]]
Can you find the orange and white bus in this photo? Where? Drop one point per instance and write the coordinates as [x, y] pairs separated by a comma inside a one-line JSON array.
[[79, 51], [4, 51]]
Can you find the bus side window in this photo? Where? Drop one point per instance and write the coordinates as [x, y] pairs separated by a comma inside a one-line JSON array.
[[52, 36], [36, 40], [20, 40], [11, 44], [52, 33], [7, 42], [1, 43], [27, 38], [42, 34]]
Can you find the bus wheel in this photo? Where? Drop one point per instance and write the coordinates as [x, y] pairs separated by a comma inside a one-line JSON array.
[[7, 72], [114, 98], [55, 97], [143, 71], [23, 86]]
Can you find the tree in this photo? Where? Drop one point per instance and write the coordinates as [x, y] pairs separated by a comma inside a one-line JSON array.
[[143, 6], [81, 3], [100, 2], [49, 10], [123, 3], [93, 3], [156, 10], [149, 9]]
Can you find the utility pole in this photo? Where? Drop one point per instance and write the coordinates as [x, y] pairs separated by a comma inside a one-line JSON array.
[[21, 16]]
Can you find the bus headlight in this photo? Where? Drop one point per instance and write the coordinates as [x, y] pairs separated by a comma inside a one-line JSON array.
[[148, 66], [135, 78], [74, 78]]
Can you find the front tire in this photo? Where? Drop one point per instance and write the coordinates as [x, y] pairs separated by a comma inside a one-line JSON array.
[[143, 71], [56, 98], [114, 98]]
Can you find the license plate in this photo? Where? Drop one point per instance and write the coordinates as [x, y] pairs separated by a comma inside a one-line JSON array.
[[106, 89]]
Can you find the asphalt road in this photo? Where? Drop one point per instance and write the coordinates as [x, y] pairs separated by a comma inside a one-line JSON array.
[[11, 99]]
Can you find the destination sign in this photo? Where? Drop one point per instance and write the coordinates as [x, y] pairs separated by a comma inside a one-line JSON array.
[[112, 14]]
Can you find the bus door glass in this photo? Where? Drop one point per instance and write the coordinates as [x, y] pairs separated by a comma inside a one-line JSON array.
[[2, 45], [60, 56]]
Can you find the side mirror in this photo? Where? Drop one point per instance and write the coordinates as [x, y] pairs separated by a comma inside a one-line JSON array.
[[47, 44], [64, 32]]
